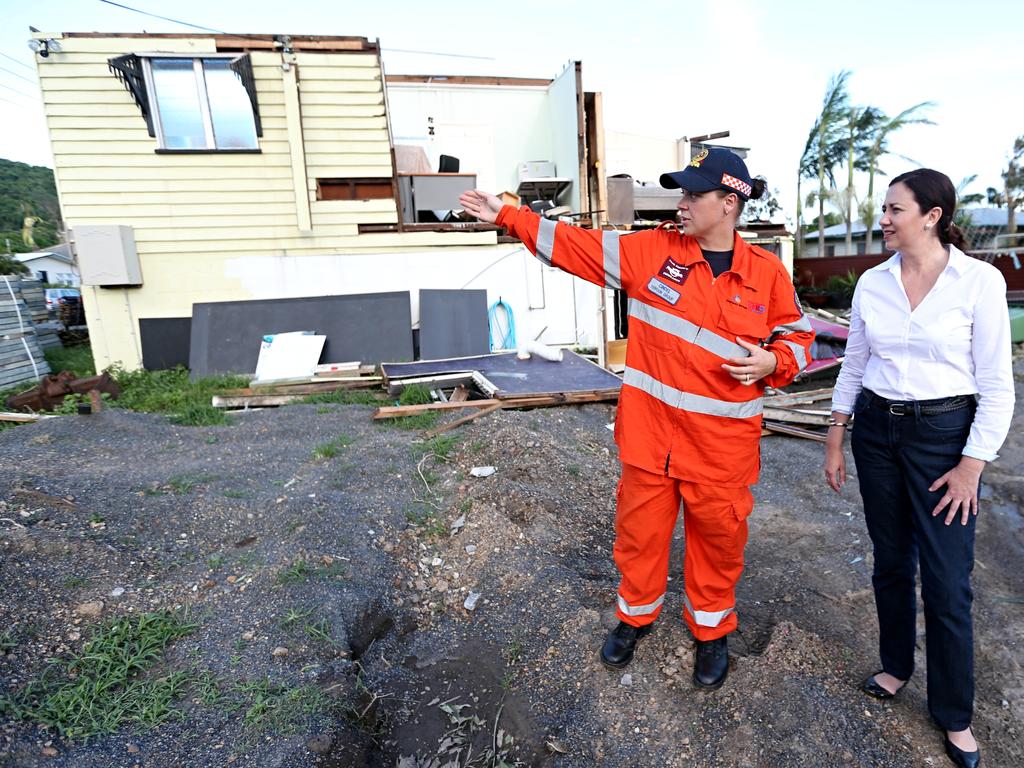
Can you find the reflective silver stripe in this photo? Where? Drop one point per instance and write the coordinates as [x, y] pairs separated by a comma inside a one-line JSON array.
[[610, 246], [706, 618], [640, 610], [546, 240], [803, 324], [687, 401], [685, 330], [798, 352]]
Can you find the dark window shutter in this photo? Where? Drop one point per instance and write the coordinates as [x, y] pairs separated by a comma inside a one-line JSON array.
[[128, 69], [242, 67]]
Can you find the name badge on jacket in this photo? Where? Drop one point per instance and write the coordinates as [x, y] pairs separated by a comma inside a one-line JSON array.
[[659, 289]]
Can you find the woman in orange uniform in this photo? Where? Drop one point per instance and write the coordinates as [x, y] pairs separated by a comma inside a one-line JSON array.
[[712, 321]]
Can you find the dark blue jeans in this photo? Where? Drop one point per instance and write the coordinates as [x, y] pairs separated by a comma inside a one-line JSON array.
[[898, 457]]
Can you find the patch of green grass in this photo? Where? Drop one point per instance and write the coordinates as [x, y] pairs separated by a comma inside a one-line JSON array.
[[416, 421], [427, 519], [74, 582], [304, 570], [215, 561], [320, 631], [208, 688], [187, 482], [7, 641], [276, 708], [345, 397], [107, 685], [294, 616], [441, 446], [77, 359], [415, 394], [573, 470], [331, 449], [171, 392], [231, 493], [200, 415]]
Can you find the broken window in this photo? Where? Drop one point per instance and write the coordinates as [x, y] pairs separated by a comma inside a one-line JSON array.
[[194, 103]]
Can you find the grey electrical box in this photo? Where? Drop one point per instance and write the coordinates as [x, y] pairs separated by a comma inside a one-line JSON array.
[[107, 254]]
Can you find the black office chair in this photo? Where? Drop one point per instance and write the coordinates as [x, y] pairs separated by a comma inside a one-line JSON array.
[[448, 164]]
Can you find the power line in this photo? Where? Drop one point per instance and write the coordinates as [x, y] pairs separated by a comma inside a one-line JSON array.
[[435, 53], [20, 93], [164, 18], [18, 61], [11, 71]]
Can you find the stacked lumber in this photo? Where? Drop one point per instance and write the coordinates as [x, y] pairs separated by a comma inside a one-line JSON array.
[[21, 356], [799, 414], [325, 379]]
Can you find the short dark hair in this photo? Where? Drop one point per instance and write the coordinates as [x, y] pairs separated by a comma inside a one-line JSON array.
[[932, 189]]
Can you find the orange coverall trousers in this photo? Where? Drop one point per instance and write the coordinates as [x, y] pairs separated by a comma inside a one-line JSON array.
[[715, 524]]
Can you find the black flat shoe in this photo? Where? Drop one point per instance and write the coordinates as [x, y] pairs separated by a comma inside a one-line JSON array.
[[620, 644], [711, 664], [872, 688], [960, 758]]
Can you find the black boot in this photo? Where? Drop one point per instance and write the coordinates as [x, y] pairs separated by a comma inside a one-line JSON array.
[[618, 647], [711, 663]]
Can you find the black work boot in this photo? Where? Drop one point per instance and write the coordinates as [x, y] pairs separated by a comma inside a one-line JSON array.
[[711, 663], [618, 647]]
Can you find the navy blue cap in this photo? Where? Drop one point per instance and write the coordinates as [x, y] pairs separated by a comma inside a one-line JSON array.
[[712, 168]]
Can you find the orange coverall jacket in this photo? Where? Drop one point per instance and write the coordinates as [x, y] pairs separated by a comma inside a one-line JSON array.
[[680, 413]]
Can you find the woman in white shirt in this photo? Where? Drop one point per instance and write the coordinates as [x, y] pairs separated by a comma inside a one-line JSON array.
[[928, 374]]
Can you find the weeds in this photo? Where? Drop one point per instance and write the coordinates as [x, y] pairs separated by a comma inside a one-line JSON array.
[[331, 449], [105, 686], [303, 570], [77, 360], [294, 616], [171, 392], [277, 708], [441, 446], [344, 397]]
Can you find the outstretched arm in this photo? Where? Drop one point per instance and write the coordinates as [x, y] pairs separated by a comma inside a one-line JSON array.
[[483, 205]]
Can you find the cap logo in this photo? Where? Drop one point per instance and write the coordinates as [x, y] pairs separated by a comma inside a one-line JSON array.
[[739, 186], [700, 158]]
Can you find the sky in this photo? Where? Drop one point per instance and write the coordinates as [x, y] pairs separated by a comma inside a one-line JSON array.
[[758, 69]]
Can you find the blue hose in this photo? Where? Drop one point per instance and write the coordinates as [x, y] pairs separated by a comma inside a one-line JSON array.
[[507, 339]]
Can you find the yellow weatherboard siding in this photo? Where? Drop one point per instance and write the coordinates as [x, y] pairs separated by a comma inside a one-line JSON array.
[[196, 215]]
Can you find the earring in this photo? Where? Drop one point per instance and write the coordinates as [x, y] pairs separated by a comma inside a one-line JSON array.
[[927, 226]]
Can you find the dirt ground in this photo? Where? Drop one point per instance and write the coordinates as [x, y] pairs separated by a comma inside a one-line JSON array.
[[344, 574]]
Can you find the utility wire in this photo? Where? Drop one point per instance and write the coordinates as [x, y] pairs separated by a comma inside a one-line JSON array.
[[17, 61], [164, 18], [11, 71], [20, 93], [435, 53]]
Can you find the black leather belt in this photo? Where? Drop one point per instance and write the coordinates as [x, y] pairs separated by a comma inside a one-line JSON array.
[[919, 407]]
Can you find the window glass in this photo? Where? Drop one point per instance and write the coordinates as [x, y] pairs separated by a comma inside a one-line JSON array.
[[230, 108], [177, 97]]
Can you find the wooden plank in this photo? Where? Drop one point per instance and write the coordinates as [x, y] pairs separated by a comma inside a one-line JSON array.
[[24, 418], [249, 401], [796, 416], [462, 420], [787, 429], [569, 398]]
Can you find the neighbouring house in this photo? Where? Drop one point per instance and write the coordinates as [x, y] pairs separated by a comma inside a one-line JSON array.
[[54, 265], [987, 231], [196, 168]]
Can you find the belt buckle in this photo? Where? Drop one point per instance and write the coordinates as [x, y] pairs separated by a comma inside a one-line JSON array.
[[897, 409]]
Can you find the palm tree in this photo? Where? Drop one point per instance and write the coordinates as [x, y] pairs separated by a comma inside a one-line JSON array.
[[962, 217], [861, 125], [824, 144], [887, 126]]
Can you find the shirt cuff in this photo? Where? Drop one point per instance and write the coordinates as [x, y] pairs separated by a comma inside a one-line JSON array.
[[978, 453]]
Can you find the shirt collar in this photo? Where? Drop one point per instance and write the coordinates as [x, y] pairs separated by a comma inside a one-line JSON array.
[[957, 262]]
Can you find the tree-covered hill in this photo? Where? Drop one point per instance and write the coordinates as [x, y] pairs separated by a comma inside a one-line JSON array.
[[27, 191]]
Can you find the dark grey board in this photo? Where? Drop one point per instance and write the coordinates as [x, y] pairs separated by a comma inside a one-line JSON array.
[[453, 323], [517, 377], [368, 327], [165, 341]]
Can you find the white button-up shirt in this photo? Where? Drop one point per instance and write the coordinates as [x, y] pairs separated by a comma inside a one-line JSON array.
[[956, 342]]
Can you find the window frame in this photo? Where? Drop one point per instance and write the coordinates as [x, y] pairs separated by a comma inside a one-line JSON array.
[[199, 72]]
